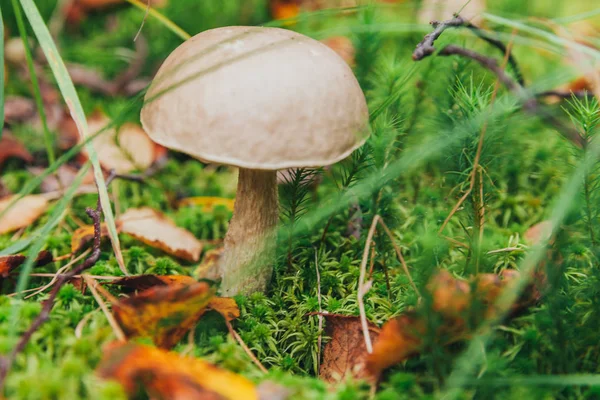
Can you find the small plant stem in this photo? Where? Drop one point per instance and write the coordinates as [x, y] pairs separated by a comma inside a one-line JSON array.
[[48, 139], [588, 201], [320, 316], [363, 287], [238, 339], [93, 286]]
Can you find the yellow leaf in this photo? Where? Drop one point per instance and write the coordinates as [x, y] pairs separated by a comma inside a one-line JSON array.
[[208, 202], [168, 375], [23, 213]]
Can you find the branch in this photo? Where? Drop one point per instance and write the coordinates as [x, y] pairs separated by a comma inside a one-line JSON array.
[[6, 362], [530, 104], [425, 48]]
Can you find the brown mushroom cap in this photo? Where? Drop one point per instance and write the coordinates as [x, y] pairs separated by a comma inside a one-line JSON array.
[[258, 98]]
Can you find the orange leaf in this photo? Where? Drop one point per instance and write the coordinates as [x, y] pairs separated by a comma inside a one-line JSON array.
[[163, 313], [9, 263], [168, 375], [400, 338], [208, 202], [156, 230], [226, 306], [345, 355], [23, 213], [342, 46]]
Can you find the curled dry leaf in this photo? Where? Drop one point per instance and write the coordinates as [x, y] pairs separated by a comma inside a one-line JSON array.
[[23, 213], [208, 203], [226, 306], [11, 147], [168, 375], [163, 313], [155, 229], [454, 300], [345, 355], [210, 266], [9, 263], [124, 151]]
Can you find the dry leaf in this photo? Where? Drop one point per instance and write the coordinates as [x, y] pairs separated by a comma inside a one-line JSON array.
[[145, 282], [401, 337], [345, 355], [23, 213], [539, 232], [208, 202], [226, 306], [210, 267], [10, 147], [168, 375], [85, 234], [124, 151], [156, 230], [9, 263], [163, 313], [342, 46], [18, 109]]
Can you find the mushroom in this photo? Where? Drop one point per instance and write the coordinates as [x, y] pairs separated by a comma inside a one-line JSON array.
[[260, 99]]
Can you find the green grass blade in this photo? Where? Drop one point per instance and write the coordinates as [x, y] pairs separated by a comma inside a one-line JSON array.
[[1, 73], [162, 19], [69, 93], [37, 94]]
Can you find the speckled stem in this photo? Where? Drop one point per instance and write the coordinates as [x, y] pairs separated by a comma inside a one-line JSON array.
[[250, 242]]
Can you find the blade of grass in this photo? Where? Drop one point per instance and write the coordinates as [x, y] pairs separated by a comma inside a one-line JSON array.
[[1, 74], [37, 94], [69, 93], [162, 19]]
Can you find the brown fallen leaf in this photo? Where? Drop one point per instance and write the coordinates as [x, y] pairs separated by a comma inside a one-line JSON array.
[[208, 203], [11, 147], [125, 150], [440, 10], [155, 229], [23, 213], [85, 235], [168, 375], [345, 355], [538, 233], [9, 263], [163, 313], [18, 109], [145, 282], [226, 306], [210, 266], [401, 337]]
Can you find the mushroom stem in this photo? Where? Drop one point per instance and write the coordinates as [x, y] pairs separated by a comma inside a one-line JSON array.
[[250, 241]]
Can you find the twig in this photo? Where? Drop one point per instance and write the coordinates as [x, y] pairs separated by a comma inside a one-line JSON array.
[[7, 361], [320, 316], [93, 286], [246, 349], [363, 287], [57, 274]]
